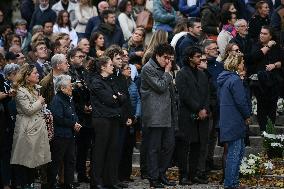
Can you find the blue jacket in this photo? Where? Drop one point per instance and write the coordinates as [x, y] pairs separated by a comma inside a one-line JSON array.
[[192, 11], [135, 99], [93, 24], [188, 41], [64, 115], [164, 20], [234, 106]]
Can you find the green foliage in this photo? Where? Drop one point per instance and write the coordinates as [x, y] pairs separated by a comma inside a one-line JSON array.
[[270, 129]]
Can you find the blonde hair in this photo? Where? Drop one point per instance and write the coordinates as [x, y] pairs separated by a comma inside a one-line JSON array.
[[37, 37], [233, 61], [158, 37], [21, 77]]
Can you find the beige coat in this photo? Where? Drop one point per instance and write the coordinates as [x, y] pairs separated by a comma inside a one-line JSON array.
[[30, 142]]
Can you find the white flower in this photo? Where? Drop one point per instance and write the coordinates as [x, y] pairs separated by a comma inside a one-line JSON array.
[[251, 162], [281, 137], [269, 136], [275, 144], [268, 165]]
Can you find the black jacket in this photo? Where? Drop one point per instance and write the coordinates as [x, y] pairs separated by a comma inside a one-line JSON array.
[[192, 86], [39, 17], [245, 45], [64, 115], [102, 97], [255, 24], [133, 58], [81, 94]]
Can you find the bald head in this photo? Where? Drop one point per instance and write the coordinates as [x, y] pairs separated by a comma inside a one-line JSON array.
[[103, 5]]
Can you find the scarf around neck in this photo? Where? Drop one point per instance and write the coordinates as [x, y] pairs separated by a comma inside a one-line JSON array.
[[231, 29], [43, 8]]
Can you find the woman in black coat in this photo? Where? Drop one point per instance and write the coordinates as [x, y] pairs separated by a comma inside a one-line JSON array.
[[65, 123], [261, 18], [106, 101], [7, 118], [266, 75]]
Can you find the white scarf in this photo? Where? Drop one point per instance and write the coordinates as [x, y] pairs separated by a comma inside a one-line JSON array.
[[191, 2], [43, 8]]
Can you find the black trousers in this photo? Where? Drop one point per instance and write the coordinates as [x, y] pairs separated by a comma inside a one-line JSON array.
[[62, 150], [191, 157], [105, 152], [5, 167], [160, 150], [125, 163], [144, 151], [266, 108], [84, 144], [23, 175]]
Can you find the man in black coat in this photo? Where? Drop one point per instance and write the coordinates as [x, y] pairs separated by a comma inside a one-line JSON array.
[[81, 97], [112, 33], [243, 41], [192, 85], [42, 14]]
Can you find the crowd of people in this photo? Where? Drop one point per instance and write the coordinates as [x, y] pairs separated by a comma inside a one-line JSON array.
[[85, 81]]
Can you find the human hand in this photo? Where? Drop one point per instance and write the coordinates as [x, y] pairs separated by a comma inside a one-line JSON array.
[[248, 121], [128, 122], [270, 67], [41, 99], [202, 114], [3, 95], [139, 53], [12, 93], [168, 67], [77, 127], [271, 43]]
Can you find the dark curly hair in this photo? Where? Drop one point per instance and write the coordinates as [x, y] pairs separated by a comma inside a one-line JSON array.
[[189, 53], [113, 50]]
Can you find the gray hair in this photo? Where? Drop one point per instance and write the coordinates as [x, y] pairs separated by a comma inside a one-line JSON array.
[[57, 59], [36, 29], [20, 21], [10, 68], [61, 81], [238, 22]]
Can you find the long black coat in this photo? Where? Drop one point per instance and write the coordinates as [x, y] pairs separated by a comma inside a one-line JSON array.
[[193, 97]]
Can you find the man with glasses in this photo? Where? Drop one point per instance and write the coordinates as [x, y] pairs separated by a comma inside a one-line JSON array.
[[192, 136], [243, 40], [158, 109], [214, 68], [81, 97], [43, 67]]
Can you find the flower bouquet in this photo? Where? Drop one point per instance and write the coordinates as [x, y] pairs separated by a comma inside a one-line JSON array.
[[273, 143], [250, 166]]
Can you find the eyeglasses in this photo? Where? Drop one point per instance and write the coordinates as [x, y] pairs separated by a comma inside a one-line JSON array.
[[214, 48], [243, 26], [171, 58], [81, 56], [236, 50]]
